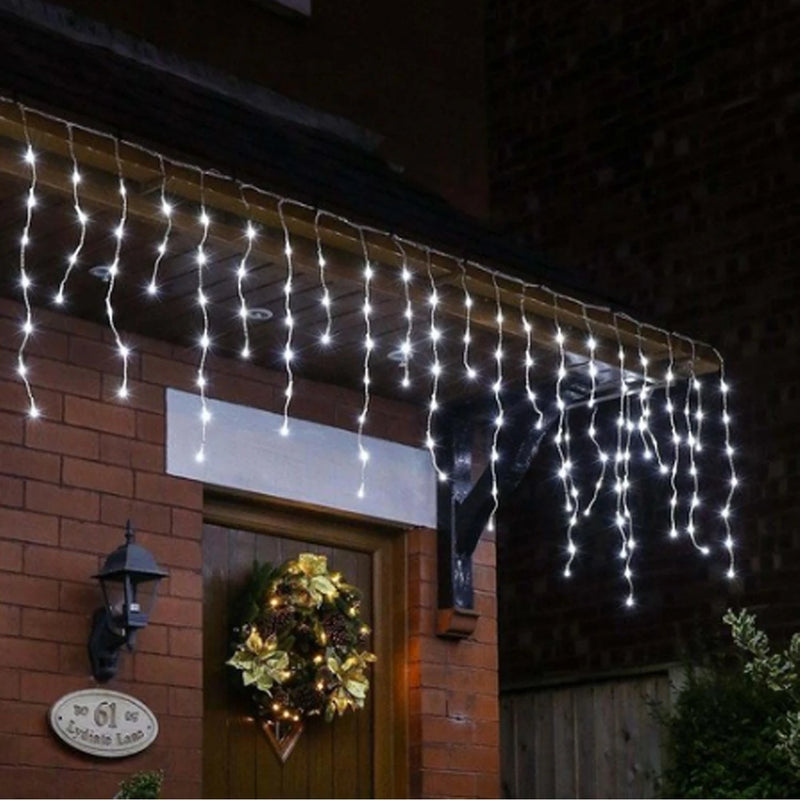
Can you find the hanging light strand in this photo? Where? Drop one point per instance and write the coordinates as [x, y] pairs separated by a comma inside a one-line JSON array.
[[602, 456], [436, 370], [80, 215], [562, 441], [468, 303], [369, 345], [201, 259], [406, 347], [669, 380], [497, 391], [165, 208], [241, 275], [693, 387], [24, 279], [288, 353], [325, 300], [725, 511], [113, 272], [529, 362], [623, 519], [649, 441]]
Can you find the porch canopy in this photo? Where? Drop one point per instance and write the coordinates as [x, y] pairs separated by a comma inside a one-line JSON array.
[[112, 231]]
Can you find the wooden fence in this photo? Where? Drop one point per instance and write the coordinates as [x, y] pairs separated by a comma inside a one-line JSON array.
[[598, 739]]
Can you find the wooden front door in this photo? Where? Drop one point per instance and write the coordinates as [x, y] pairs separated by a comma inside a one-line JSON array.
[[358, 755]]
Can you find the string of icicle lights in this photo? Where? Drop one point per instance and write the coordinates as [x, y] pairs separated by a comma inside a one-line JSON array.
[[660, 420]]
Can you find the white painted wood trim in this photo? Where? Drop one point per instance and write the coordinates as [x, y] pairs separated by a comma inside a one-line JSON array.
[[315, 464]]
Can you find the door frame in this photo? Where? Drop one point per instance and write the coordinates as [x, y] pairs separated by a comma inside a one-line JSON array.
[[386, 544]]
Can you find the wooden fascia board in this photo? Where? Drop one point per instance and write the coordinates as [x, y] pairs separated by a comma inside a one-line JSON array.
[[142, 168]]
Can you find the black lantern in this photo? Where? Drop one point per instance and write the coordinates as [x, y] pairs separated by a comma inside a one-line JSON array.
[[129, 580]]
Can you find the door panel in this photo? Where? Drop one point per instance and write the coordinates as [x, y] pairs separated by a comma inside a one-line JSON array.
[[329, 760]]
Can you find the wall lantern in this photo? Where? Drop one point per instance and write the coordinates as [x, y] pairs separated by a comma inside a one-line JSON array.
[[129, 580]]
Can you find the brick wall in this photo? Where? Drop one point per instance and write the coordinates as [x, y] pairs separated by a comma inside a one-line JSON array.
[[68, 483], [652, 148]]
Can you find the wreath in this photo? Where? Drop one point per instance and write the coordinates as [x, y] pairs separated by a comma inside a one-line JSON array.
[[301, 644]]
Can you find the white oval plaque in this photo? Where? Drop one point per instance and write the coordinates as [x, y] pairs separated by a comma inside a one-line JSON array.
[[104, 723]]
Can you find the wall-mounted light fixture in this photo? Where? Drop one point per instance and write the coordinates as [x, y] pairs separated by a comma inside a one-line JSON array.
[[129, 580]]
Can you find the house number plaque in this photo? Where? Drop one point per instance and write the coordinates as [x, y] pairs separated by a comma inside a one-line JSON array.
[[104, 723]]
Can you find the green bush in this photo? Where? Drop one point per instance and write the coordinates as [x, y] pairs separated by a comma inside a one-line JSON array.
[[728, 731], [142, 785]]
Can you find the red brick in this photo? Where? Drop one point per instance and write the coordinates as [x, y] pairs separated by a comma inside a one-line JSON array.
[[33, 753], [186, 642], [166, 489], [11, 492], [166, 372], [131, 453], [97, 476], [9, 683], [45, 687], [28, 527], [487, 733], [433, 755], [141, 396], [9, 620], [57, 563], [154, 696], [446, 730], [81, 597], [44, 341], [90, 537], [94, 354], [474, 758], [150, 427], [172, 552], [474, 654], [174, 611], [13, 398], [55, 626], [11, 428], [108, 417], [174, 732], [62, 377], [433, 702], [148, 516], [57, 438], [23, 718], [168, 670], [28, 591], [26, 463], [153, 639], [10, 556], [185, 702], [9, 750], [187, 524], [62, 501], [182, 583], [26, 654], [448, 784], [488, 785]]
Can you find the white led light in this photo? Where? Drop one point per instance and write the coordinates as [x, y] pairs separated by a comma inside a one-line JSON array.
[[204, 339], [529, 362], [436, 371], [325, 300]]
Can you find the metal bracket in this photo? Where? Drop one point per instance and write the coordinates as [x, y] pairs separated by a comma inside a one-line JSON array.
[[464, 508]]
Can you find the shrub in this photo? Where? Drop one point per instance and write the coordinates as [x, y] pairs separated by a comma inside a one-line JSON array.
[[142, 785], [730, 732]]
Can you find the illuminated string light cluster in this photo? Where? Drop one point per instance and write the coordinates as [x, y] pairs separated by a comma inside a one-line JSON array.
[[288, 352], [325, 299], [369, 346], [436, 370], [241, 274], [497, 391], [24, 279], [406, 348], [638, 390], [201, 259], [113, 273], [166, 210], [80, 215]]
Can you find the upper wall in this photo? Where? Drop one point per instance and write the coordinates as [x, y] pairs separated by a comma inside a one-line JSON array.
[[654, 148], [411, 72]]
